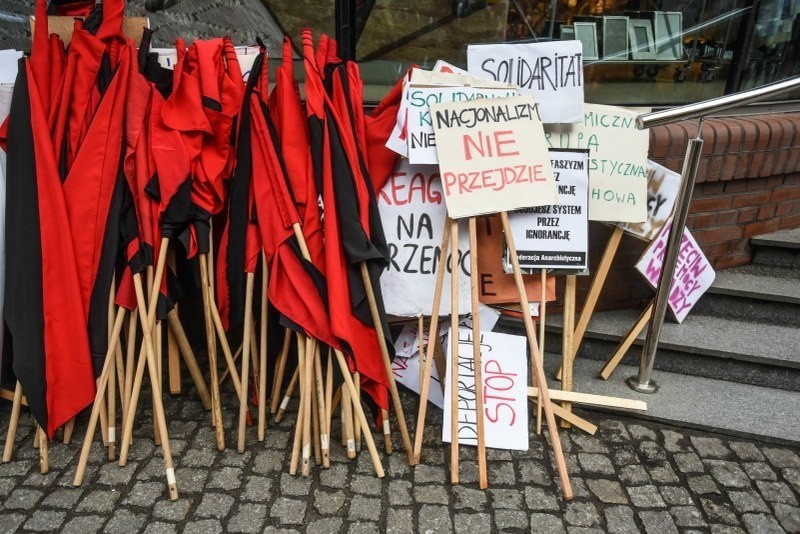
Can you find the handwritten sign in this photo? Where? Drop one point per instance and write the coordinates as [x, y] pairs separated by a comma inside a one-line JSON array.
[[662, 190], [504, 371], [552, 72], [493, 156], [413, 213], [557, 236], [421, 137], [693, 274], [406, 372], [617, 161]]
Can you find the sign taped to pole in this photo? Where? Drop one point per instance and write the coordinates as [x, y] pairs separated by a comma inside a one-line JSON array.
[[493, 156], [550, 71], [617, 160], [557, 236], [505, 376]]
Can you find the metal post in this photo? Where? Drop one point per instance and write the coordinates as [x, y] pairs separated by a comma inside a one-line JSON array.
[[643, 383]]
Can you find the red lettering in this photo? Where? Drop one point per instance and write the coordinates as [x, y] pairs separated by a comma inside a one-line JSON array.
[[449, 180], [469, 140], [496, 417], [500, 142], [537, 174]]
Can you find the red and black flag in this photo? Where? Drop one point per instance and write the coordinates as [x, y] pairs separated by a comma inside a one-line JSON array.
[[43, 304], [347, 225]]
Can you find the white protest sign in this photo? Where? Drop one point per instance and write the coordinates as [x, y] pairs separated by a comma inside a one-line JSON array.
[[246, 55], [412, 212], [8, 65], [421, 137], [557, 236], [550, 71], [617, 161], [493, 156], [504, 368], [693, 274], [662, 190], [406, 371]]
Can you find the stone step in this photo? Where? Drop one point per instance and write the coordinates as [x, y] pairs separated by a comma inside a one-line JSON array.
[[692, 401], [780, 248], [707, 346]]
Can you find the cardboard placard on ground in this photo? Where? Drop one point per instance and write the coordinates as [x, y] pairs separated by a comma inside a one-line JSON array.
[[662, 190], [505, 376], [693, 273], [492, 155], [412, 211], [406, 371], [557, 236], [617, 161], [494, 285], [550, 71]]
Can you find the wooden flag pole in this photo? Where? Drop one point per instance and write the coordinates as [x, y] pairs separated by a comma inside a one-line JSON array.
[[306, 397], [298, 427], [626, 342], [288, 395], [566, 342], [112, 346], [348, 430], [185, 349], [322, 422], [483, 480], [542, 320], [357, 399], [44, 454], [262, 352], [248, 331], [130, 364], [454, 454], [155, 389], [433, 336], [96, 406], [387, 364], [216, 408], [280, 369], [540, 377], [11, 435], [329, 397], [223, 341]]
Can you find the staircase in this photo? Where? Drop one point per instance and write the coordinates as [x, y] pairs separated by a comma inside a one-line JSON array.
[[734, 363]]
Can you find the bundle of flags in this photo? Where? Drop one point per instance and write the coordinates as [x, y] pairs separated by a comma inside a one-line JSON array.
[[111, 156]]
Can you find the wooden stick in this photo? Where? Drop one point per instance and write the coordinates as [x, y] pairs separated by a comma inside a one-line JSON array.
[[44, 455], [387, 432], [587, 398], [433, 337], [254, 361], [483, 480], [262, 377], [349, 427], [315, 430], [130, 362], [454, 454], [288, 396], [173, 348], [280, 370], [102, 381], [185, 349], [248, 332], [227, 372], [342, 394], [223, 342], [306, 397], [626, 342], [158, 408], [322, 421], [421, 346], [69, 427], [112, 399], [155, 389], [573, 419], [534, 347], [542, 320], [357, 399], [566, 342], [301, 409], [439, 360], [216, 408], [387, 364], [329, 401], [11, 435]]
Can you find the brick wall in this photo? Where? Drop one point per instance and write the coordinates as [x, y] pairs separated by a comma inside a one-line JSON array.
[[748, 184]]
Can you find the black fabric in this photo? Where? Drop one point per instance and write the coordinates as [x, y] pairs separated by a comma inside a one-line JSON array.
[[239, 208], [178, 214], [93, 22], [24, 308]]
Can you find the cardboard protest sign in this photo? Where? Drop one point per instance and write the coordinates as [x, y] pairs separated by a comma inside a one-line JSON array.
[[662, 190], [504, 370], [693, 274], [550, 71], [617, 161], [557, 236], [412, 212], [493, 156], [495, 286], [406, 372], [421, 137]]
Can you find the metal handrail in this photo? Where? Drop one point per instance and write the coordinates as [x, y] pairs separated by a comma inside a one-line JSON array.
[[643, 382], [714, 105]]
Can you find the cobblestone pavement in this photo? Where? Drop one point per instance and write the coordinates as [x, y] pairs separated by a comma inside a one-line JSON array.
[[631, 477]]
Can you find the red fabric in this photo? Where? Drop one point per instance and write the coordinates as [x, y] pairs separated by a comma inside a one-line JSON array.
[[381, 161], [361, 339], [41, 57], [68, 369], [291, 289]]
